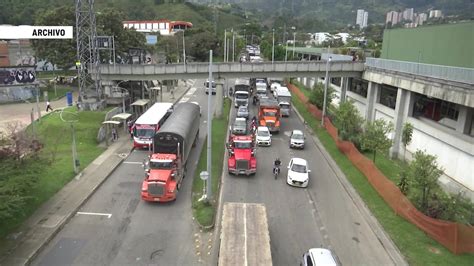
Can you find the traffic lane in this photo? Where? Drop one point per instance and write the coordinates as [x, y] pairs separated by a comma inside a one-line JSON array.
[[167, 229], [348, 232], [292, 218]]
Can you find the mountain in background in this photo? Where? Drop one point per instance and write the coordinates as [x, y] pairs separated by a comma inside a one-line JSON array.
[[342, 12]]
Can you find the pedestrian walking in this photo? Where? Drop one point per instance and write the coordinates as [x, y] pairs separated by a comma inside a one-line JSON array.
[[48, 106], [114, 134]]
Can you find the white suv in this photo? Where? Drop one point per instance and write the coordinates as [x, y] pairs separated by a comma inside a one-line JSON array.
[[319, 256], [264, 138]]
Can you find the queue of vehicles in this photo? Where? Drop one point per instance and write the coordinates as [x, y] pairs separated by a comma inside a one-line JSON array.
[[172, 131]]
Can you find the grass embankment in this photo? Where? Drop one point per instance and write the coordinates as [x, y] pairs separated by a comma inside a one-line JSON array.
[[53, 94], [204, 212], [415, 245], [54, 165]]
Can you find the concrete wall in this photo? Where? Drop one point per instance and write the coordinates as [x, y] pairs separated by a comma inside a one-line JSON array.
[[455, 152], [447, 44]]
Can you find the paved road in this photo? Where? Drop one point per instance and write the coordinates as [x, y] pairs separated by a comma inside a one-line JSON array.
[[321, 215], [136, 232]]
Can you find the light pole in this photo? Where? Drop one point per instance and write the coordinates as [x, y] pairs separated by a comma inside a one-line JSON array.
[[326, 79], [233, 45], [209, 131], [123, 96], [184, 52], [225, 44], [294, 41], [273, 45], [75, 161]]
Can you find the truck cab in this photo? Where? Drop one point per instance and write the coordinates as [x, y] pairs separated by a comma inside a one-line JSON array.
[[162, 180], [269, 114], [242, 159]]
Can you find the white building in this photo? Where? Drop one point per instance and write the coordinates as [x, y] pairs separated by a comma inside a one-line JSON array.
[[435, 14], [320, 37], [408, 14], [392, 17], [362, 17], [163, 26], [343, 35], [421, 18]]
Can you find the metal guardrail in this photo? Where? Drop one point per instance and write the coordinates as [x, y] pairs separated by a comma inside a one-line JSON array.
[[457, 74]]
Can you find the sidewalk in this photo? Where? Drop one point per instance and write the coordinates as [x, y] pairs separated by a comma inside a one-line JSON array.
[[21, 112], [24, 244]]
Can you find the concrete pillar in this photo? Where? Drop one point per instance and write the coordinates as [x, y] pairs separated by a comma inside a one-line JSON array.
[[402, 108], [344, 87], [311, 82], [219, 99], [464, 119], [372, 96]]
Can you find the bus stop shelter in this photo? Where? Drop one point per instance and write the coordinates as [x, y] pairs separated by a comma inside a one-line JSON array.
[[108, 125], [140, 106], [122, 117]]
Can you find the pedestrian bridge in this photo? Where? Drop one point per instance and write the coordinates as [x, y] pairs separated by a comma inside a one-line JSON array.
[[230, 70]]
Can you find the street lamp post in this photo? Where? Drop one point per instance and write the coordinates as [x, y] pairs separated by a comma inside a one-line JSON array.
[[294, 42], [273, 45], [209, 131], [326, 79], [225, 44], [75, 161], [184, 53], [233, 45]]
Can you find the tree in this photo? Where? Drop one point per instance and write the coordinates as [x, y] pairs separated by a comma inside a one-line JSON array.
[[201, 41], [60, 52], [317, 95], [63, 52], [375, 136], [407, 134], [348, 121], [423, 173]]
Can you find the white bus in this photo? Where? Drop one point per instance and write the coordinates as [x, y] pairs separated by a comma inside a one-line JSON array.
[[149, 123]]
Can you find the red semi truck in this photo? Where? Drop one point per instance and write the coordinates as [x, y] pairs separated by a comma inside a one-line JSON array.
[[242, 160], [172, 144]]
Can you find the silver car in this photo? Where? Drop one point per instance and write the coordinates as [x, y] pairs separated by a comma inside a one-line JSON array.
[[297, 139], [243, 111]]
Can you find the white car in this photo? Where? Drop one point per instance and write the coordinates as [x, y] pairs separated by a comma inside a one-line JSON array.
[[264, 138], [297, 139], [274, 86], [298, 173], [319, 256], [196, 103]]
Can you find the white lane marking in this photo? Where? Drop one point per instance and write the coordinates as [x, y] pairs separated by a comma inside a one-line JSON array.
[[184, 99], [245, 234], [96, 213], [133, 162], [191, 91]]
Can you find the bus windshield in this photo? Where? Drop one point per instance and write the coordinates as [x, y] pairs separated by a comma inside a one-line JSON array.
[[145, 133]]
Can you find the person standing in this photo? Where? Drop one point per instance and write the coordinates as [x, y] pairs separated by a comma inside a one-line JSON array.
[[114, 134], [48, 106]]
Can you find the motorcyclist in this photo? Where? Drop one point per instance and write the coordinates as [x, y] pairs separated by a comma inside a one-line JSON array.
[[276, 167]]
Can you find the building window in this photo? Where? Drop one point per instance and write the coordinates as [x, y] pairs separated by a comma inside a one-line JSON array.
[[449, 110], [358, 86], [443, 112], [388, 96], [336, 81]]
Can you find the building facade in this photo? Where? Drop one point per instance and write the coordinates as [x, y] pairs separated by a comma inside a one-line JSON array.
[[362, 17], [163, 26]]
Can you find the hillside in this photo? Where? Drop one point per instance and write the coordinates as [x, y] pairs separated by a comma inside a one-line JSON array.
[[21, 13], [343, 12]]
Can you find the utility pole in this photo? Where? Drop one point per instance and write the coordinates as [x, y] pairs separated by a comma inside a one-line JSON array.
[[233, 44], [184, 53], [273, 45], [225, 44], [209, 131], [326, 81]]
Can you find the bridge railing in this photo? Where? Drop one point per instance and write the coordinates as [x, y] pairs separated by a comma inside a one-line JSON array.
[[457, 74], [203, 68]]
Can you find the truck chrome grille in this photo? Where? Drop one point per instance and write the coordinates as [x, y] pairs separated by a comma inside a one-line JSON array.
[[156, 189], [242, 165]]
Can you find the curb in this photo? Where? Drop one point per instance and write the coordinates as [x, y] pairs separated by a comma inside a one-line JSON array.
[[387, 243]]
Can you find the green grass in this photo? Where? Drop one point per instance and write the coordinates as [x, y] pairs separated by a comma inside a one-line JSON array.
[[414, 244], [56, 172], [204, 212], [53, 95]]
